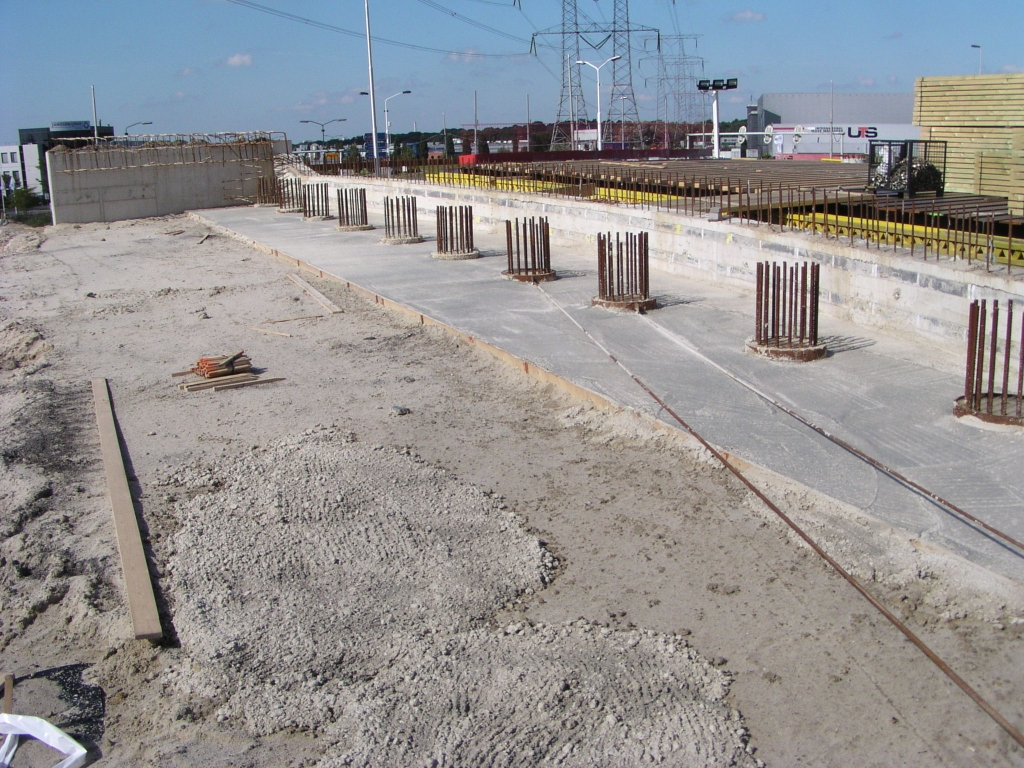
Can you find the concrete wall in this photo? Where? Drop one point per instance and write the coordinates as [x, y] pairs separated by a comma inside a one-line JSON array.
[[115, 183], [874, 288]]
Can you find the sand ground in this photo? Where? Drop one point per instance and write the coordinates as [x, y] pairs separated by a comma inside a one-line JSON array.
[[644, 532]]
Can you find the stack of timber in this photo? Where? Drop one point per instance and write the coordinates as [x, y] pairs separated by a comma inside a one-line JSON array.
[[981, 119], [220, 372]]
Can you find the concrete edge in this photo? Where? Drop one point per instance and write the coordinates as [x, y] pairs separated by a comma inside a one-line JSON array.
[[544, 376]]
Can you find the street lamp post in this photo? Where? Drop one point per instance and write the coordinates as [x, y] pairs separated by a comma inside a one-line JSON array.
[[387, 121], [597, 69], [148, 122], [979, 57], [372, 92], [323, 126], [622, 121]]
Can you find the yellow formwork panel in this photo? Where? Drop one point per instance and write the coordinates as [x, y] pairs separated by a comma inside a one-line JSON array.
[[945, 242], [633, 196]]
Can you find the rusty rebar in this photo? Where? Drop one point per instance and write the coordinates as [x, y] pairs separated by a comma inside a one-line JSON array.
[[623, 267], [786, 304], [400, 219], [454, 229], [352, 207]]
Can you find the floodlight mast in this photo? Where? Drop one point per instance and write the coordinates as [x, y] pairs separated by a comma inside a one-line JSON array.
[[371, 93], [715, 86]]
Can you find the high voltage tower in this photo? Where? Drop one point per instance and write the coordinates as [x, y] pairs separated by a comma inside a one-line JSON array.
[[679, 104], [579, 34]]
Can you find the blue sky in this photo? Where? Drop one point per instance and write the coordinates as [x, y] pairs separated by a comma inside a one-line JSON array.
[[212, 65]]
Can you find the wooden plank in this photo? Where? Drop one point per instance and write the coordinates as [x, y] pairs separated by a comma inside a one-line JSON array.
[[8, 694], [323, 300], [240, 384], [138, 585], [276, 333]]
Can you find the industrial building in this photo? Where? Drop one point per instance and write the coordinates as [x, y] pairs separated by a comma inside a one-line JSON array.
[[814, 125], [33, 144]]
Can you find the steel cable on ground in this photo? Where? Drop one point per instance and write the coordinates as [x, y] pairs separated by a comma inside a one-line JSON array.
[[875, 602], [897, 476]]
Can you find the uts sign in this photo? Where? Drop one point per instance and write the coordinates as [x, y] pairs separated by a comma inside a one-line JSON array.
[[863, 132]]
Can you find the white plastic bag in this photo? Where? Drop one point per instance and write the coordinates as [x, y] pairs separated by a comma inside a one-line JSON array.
[[23, 725]]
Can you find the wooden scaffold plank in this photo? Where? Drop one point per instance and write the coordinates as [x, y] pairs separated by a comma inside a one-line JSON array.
[[137, 582]]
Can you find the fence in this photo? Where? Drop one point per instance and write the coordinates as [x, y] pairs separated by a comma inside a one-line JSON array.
[[529, 250], [954, 226], [623, 272]]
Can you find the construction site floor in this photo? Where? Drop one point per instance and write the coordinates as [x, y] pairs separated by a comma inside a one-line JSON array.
[[888, 395]]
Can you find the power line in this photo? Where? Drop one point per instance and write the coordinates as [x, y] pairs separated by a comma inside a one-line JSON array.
[[362, 36], [467, 20]]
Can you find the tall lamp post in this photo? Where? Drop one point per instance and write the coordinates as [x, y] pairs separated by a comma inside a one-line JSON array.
[[387, 121], [323, 126], [715, 86], [597, 69], [622, 122], [979, 57], [148, 122]]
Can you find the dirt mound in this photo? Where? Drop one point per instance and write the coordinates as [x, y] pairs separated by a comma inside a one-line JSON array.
[[296, 565], [324, 584], [21, 346], [573, 695]]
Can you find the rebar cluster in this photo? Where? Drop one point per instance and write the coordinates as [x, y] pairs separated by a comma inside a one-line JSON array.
[[316, 201], [529, 250], [289, 195], [352, 209], [786, 310], [623, 272], [455, 232], [984, 400], [400, 222]]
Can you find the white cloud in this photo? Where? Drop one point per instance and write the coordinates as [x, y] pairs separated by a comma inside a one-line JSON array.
[[185, 72], [892, 80], [745, 16], [239, 60], [866, 82], [318, 100], [1011, 69]]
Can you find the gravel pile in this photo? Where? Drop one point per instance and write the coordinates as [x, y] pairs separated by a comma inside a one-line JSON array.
[[324, 584]]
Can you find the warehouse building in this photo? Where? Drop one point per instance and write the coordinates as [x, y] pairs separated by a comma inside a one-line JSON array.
[[816, 125]]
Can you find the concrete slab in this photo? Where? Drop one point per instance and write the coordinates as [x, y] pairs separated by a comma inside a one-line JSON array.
[[887, 396]]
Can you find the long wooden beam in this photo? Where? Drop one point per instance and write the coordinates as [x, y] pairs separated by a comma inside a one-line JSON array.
[[138, 585], [327, 304]]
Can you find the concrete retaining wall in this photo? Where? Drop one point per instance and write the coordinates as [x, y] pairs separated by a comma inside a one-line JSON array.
[[115, 183], [874, 288]]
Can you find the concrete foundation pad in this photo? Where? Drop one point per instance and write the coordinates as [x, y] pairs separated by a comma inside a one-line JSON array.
[[531, 277], [401, 240], [356, 228], [1010, 418], [463, 256], [625, 305], [794, 354]]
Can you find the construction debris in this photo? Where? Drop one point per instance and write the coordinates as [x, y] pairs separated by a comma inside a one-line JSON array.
[[223, 365], [326, 303], [221, 372]]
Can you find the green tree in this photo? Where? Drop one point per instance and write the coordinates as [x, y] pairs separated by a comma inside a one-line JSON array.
[[485, 148], [422, 150], [467, 143], [449, 146]]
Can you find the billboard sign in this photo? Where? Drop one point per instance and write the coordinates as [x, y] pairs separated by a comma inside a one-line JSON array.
[[71, 125]]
